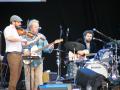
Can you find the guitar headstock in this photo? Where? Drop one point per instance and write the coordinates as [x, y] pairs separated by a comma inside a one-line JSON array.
[[58, 41]]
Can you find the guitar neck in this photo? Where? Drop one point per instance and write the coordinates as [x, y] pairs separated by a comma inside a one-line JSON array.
[[40, 49]]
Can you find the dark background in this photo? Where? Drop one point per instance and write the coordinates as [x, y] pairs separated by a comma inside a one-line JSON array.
[[77, 15]]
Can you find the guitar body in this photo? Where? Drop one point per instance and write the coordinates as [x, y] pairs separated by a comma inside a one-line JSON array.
[[35, 50], [27, 61], [30, 54]]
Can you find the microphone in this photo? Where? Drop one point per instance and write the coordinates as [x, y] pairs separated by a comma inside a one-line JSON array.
[[67, 32], [94, 29], [97, 39], [39, 28]]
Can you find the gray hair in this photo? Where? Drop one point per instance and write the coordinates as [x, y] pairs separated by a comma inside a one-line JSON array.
[[31, 22]]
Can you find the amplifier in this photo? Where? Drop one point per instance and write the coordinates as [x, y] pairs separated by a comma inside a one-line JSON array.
[[49, 76], [55, 87]]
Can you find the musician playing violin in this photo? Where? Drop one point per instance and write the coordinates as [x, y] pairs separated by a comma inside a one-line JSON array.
[[36, 42], [14, 50]]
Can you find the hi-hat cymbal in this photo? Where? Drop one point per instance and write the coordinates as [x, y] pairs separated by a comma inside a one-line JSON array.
[[70, 45]]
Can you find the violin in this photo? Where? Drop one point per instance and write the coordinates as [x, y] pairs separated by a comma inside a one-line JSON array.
[[22, 32]]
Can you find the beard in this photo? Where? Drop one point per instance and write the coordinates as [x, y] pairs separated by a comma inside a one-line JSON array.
[[18, 27], [88, 41]]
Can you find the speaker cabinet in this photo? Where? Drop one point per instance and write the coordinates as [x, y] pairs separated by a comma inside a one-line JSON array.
[[55, 87], [49, 76]]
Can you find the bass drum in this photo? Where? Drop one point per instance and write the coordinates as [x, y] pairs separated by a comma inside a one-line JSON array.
[[97, 67]]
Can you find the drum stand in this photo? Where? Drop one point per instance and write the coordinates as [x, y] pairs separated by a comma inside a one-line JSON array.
[[114, 72], [74, 78], [115, 57], [58, 54], [59, 78]]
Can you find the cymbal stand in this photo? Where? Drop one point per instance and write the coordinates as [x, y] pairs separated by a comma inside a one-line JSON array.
[[58, 56], [58, 65], [74, 63]]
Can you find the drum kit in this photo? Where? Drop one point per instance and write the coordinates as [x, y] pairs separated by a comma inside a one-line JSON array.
[[104, 62]]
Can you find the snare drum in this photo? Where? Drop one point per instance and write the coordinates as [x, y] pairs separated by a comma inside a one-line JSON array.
[[97, 67]]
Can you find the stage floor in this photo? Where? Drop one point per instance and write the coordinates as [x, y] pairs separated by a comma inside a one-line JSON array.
[[62, 86]]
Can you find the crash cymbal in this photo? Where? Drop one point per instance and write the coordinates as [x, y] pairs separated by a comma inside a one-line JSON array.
[[70, 45]]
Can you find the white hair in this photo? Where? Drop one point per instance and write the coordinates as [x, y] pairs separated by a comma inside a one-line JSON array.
[[31, 23]]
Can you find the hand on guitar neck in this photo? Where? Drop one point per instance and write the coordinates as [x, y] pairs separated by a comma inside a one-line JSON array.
[[50, 45]]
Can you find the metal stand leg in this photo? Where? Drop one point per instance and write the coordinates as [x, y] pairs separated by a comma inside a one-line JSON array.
[[3, 79], [59, 67], [59, 78]]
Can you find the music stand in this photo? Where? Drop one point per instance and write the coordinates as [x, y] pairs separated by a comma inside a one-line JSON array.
[[31, 58]]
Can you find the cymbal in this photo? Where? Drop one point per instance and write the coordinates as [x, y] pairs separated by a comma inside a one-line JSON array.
[[70, 45]]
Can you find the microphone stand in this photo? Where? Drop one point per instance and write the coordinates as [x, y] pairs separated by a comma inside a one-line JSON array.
[[114, 73], [58, 56], [109, 38]]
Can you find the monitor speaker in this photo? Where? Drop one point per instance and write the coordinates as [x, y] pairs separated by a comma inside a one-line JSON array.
[[55, 87], [86, 76]]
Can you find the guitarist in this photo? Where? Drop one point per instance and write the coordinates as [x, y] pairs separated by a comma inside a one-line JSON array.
[[36, 66]]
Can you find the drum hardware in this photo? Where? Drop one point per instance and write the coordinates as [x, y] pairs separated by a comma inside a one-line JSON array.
[[114, 72], [58, 65], [58, 56], [72, 68]]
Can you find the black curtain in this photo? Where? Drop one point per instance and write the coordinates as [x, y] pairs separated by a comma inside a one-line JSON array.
[[77, 15]]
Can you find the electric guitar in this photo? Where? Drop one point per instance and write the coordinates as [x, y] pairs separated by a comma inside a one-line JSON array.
[[34, 51]]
